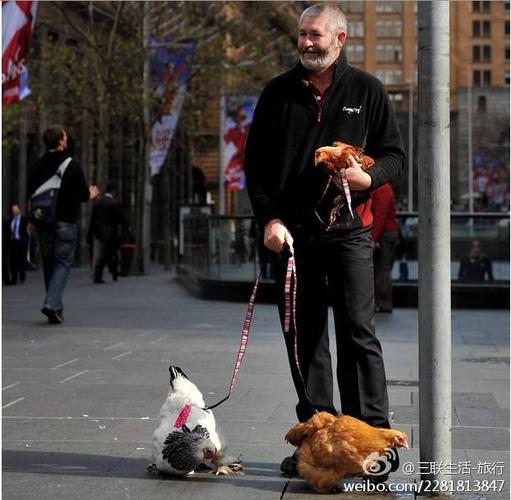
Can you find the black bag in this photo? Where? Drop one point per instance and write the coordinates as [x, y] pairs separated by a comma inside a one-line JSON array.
[[43, 203]]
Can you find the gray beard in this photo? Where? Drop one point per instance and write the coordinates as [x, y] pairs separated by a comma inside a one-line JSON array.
[[320, 62]]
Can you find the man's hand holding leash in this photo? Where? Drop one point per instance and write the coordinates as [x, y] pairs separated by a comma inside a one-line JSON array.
[[276, 235]]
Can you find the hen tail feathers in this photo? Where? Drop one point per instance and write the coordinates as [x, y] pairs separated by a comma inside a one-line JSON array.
[[301, 431]]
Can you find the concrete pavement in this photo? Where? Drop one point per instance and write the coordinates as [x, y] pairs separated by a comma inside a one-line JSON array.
[[81, 400]]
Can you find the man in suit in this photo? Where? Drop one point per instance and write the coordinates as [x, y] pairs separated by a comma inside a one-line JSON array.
[[107, 215], [17, 245]]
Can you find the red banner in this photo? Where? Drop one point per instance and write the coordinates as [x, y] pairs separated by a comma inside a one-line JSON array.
[[18, 20]]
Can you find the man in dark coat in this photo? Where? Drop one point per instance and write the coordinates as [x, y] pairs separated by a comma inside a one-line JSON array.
[[107, 215], [58, 242], [322, 100]]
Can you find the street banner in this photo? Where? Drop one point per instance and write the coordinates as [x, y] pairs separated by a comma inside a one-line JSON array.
[[239, 111], [18, 19], [170, 70]]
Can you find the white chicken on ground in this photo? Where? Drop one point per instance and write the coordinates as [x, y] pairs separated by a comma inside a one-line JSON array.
[[187, 436]]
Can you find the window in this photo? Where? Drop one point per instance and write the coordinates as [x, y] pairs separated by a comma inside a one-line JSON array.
[[389, 28], [481, 28], [481, 103], [476, 78], [352, 6], [389, 53], [506, 28], [487, 77], [506, 5], [355, 53], [507, 53], [390, 76], [506, 77], [476, 53], [486, 53], [356, 29], [388, 6], [481, 6]]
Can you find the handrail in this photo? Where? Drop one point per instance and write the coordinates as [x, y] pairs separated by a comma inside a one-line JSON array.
[[454, 215]]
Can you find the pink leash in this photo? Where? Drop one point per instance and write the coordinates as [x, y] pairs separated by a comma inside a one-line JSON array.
[[290, 287], [346, 189], [243, 342]]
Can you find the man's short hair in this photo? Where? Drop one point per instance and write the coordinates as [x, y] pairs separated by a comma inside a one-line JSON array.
[[52, 136], [336, 18]]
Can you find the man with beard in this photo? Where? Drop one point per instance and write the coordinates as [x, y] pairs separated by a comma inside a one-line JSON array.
[[322, 100]]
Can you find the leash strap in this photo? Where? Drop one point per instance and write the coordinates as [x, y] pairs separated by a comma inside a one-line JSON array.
[[290, 287], [346, 188], [243, 343]]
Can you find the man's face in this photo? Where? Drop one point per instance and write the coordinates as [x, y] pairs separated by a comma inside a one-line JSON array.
[[15, 209], [63, 142], [317, 45]]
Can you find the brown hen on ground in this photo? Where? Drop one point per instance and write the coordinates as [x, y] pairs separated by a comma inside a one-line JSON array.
[[333, 447]]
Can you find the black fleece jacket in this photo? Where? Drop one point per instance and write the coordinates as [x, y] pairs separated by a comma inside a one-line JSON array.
[[73, 189], [288, 127]]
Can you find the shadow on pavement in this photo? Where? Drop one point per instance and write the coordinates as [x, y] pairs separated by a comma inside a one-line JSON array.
[[76, 464]]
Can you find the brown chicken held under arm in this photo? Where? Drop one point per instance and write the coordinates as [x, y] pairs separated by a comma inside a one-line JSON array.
[[333, 158], [333, 447]]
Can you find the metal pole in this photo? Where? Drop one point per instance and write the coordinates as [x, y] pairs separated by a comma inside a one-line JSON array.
[[221, 177], [148, 188], [469, 147], [410, 145], [434, 237]]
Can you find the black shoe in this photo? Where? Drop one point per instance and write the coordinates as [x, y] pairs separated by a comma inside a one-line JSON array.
[[288, 466], [54, 318], [99, 281]]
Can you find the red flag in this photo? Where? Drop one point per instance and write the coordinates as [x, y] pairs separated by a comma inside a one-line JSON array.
[[18, 20]]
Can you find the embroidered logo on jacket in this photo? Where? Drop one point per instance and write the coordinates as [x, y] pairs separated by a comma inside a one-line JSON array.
[[352, 110]]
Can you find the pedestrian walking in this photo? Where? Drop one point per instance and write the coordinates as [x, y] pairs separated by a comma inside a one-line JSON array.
[[58, 241], [107, 218], [321, 100], [17, 245], [385, 235]]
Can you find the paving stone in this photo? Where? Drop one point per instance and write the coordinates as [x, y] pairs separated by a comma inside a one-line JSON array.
[[103, 455]]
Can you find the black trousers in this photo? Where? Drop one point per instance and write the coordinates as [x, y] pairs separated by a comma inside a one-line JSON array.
[[107, 256], [338, 268], [383, 262], [17, 257]]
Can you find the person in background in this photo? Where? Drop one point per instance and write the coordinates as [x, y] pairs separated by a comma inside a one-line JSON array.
[[475, 266], [58, 243], [385, 236], [6, 238], [106, 217], [17, 245]]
